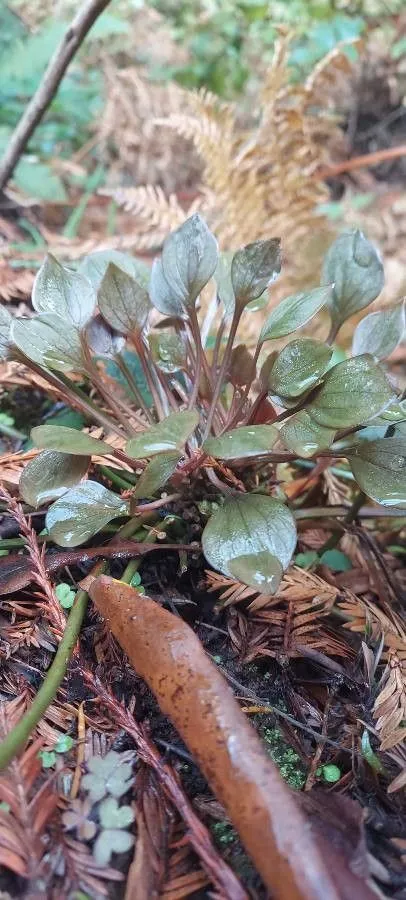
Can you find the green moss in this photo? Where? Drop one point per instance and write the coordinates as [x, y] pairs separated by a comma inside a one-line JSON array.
[[285, 757], [223, 833]]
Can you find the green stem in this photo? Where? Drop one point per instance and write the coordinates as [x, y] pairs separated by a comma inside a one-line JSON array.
[[17, 738], [115, 478], [127, 374], [11, 432], [222, 373]]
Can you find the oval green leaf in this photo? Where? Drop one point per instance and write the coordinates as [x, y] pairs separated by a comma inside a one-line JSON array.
[[246, 525], [224, 284], [259, 570], [170, 434], [380, 469], [298, 367], [248, 440], [82, 512], [380, 332], [64, 292], [253, 269], [102, 340], [189, 258], [68, 440], [94, 266], [50, 475], [303, 436], [352, 393], [49, 341], [123, 302], [354, 268], [156, 474], [5, 325], [294, 312], [168, 351]]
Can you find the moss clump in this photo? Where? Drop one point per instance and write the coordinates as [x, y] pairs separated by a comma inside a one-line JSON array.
[[223, 833], [285, 757]]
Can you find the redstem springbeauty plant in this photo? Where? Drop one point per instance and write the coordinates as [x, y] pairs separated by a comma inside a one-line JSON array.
[[209, 420]]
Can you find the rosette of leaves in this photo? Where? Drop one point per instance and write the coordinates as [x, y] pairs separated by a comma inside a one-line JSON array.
[[101, 816], [201, 414]]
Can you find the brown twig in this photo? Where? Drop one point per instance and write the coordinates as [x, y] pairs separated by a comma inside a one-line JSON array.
[[359, 162], [48, 87]]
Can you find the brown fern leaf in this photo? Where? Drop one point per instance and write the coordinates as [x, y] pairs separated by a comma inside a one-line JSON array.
[[390, 705], [389, 711], [83, 872], [29, 807], [283, 626]]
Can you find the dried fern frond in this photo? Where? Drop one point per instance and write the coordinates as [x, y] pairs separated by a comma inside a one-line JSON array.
[[389, 711], [29, 808], [258, 173], [155, 214], [285, 625]]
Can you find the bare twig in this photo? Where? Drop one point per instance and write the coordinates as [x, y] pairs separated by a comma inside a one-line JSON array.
[[48, 87], [360, 162]]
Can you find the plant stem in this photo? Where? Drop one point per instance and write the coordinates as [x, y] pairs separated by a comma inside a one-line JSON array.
[[17, 738], [11, 432], [127, 374], [222, 372], [366, 512], [115, 478]]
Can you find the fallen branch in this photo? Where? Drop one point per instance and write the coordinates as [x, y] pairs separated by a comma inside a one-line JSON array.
[[48, 87], [360, 162], [191, 691]]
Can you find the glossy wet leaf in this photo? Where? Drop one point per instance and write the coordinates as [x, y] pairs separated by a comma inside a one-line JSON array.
[[380, 332], [294, 312], [396, 412], [253, 269], [353, 392], [64, 292], [260, 570], [156, 474], [49, 341], [380, 469], [224, 284], [5, 323], [50, 475], [95, 265], [170, 434], [68, 440], [82, 512], [354, 267], [110, 841], [102, 340], [336, 560], [123, 302], [245, 525], [112, 815], [168, 351], [189, 258], [248, 440], [298, 367], [302, 435], [242, 368]]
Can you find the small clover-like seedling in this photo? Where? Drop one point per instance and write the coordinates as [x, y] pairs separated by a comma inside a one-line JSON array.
[[65, 595], [79, 817], [112, 838], [110, 774]]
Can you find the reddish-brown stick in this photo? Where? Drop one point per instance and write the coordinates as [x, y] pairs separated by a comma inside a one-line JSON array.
[[167, 654]]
